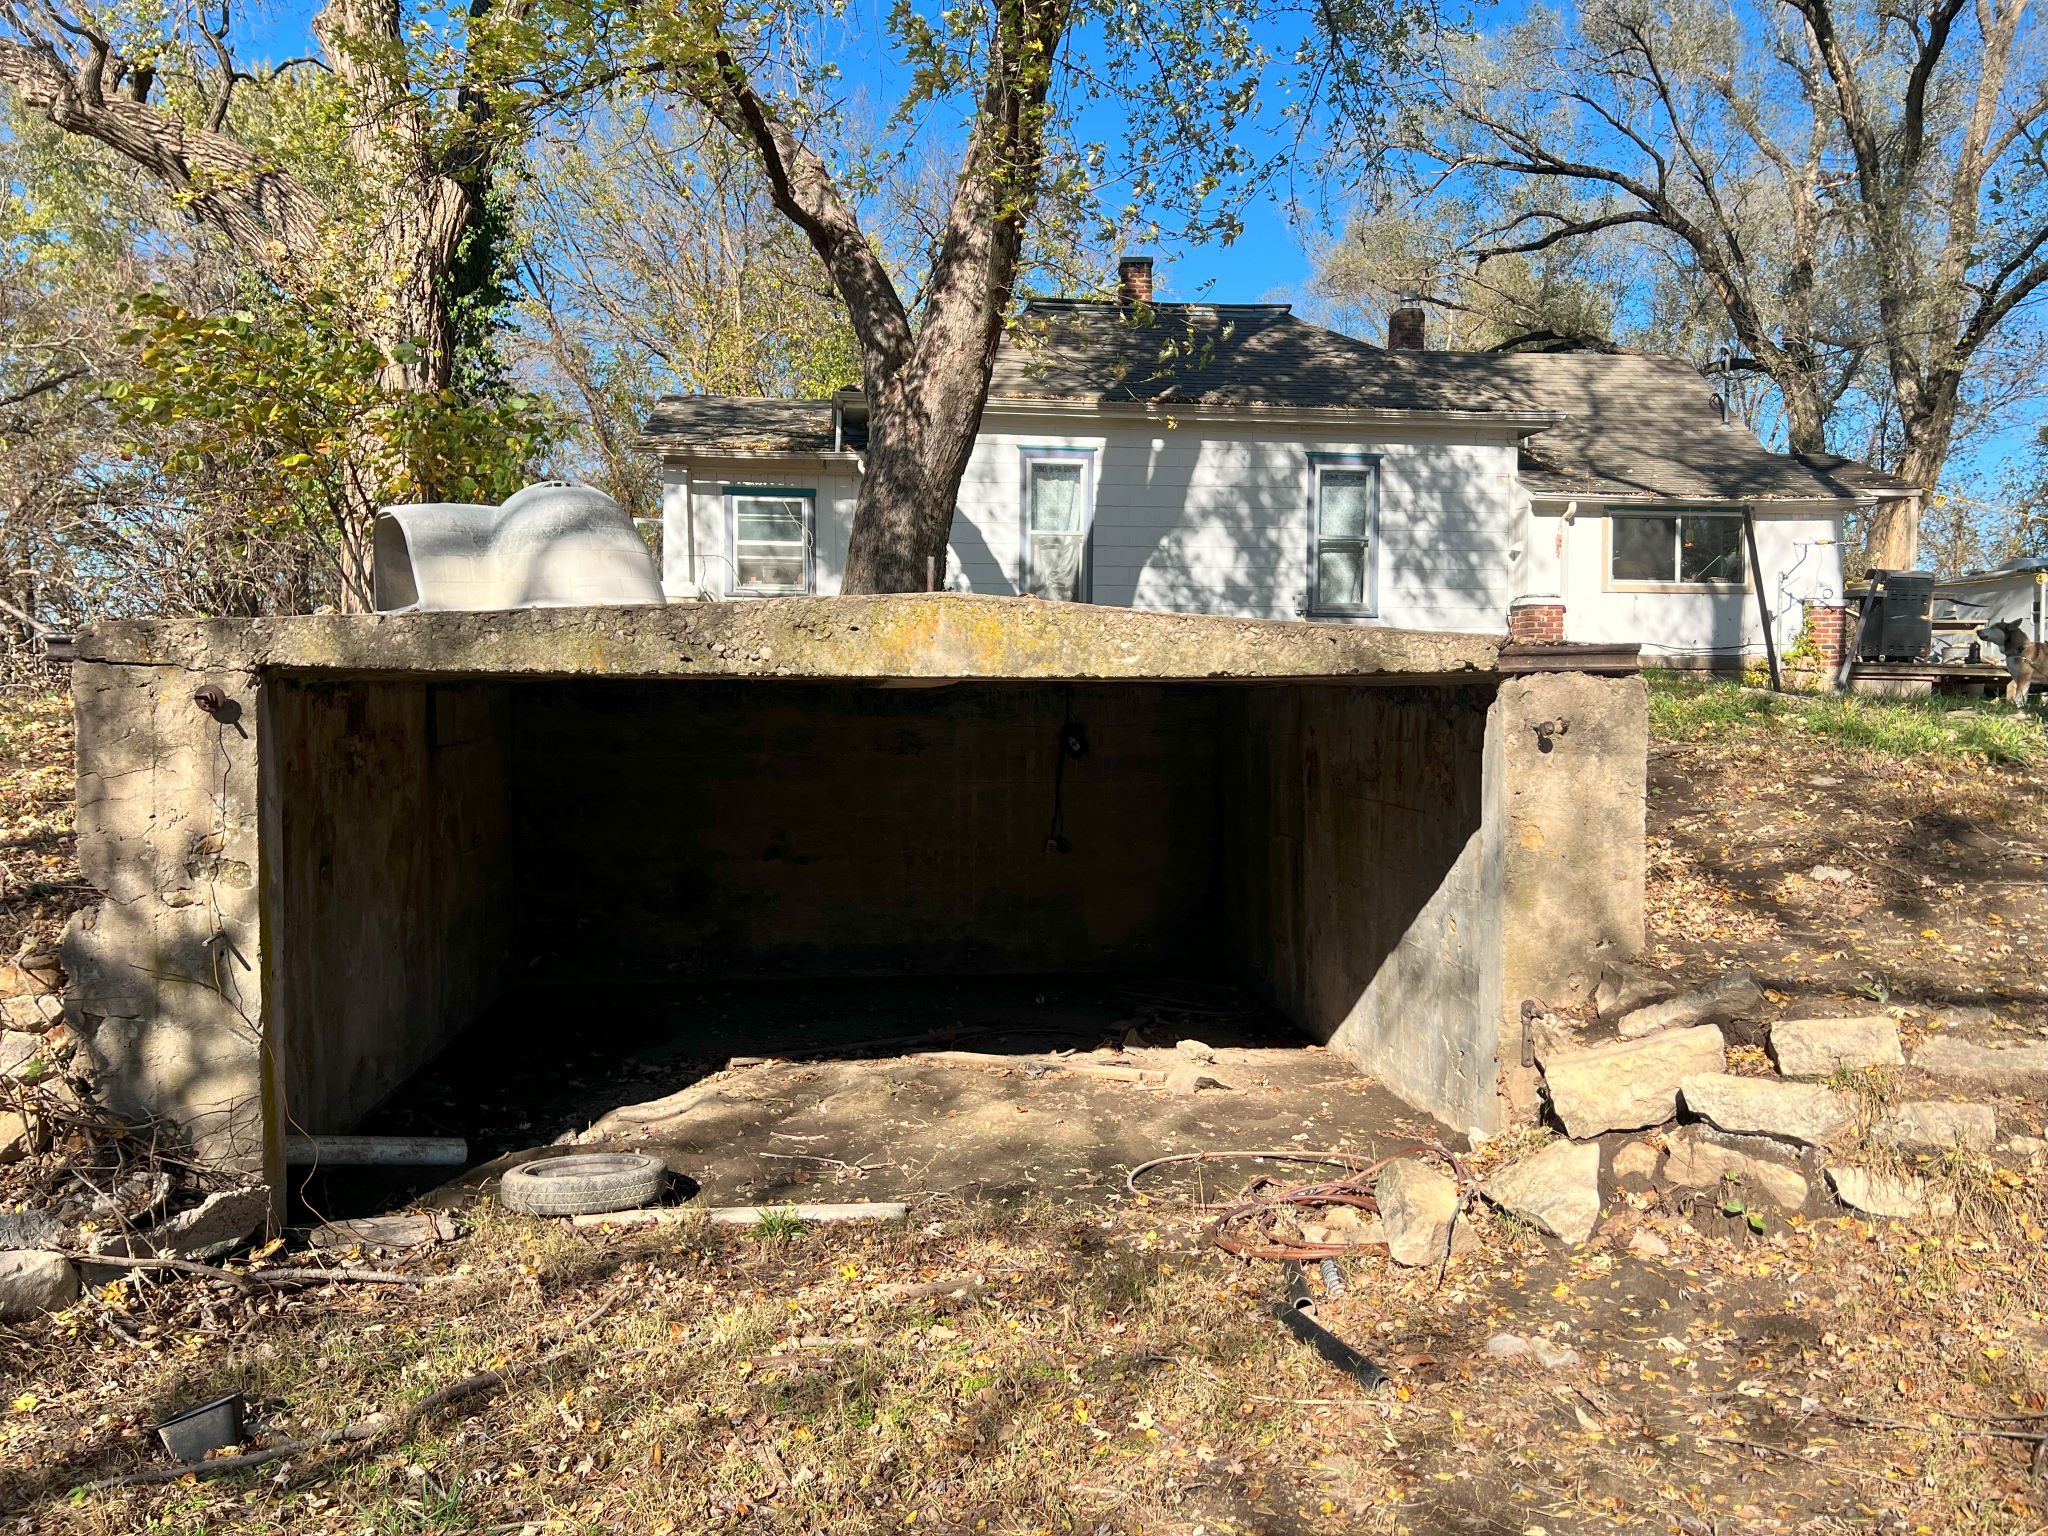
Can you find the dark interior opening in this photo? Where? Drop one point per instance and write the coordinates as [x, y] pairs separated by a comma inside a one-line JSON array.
[[522, 873]]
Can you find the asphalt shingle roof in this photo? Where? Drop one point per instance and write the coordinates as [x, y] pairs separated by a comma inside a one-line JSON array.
[[739, 424], [1632, 425]]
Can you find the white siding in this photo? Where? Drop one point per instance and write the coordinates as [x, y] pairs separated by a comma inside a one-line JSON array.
[[1801, 556], [833, 481], [1196, 518]]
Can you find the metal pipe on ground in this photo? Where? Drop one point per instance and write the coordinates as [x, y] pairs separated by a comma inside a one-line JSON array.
[[1297, 1311], [376, 1151]]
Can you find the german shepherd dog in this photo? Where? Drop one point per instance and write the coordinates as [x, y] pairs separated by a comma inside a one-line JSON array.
[[2025, 659]]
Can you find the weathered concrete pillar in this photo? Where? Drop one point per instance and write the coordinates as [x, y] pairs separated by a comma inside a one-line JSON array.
[[1566, 793], [166, 974]]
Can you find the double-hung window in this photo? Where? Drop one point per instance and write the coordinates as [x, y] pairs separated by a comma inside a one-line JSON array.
[[771, 531], [1676, 549], [1344, 519], [1058, 512]]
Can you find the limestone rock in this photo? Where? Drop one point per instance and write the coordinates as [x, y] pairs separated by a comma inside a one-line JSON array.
[[1763, 1106], [1896, 1197], [1637, 1160], [29, 1229], [20, 1134], [2030, 1149], [384, 1234], [1507, 1346], [31, 976], [1822, 1047], [1623, 988], [44, 969], [1187, 1080], [31, 1012], [20, 1054], [1556, 1188], [1935, 1126], [1698, 1162], [1629, 1084], [33, 1282], [1728, 999], [2015, 1069], [1968, 1017], [217, 1226], [1418, 1205]]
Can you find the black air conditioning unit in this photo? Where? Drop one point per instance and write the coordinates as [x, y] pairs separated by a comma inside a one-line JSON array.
[[1899, 623]]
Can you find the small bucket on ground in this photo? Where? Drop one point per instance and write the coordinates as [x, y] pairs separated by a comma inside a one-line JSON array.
[[213, 1426]]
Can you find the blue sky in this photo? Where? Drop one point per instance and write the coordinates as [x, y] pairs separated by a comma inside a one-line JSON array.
[[1269, 262]]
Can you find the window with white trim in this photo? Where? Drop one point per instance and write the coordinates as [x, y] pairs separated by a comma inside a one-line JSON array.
[[771, 532], [1346, 525], [1689, 549], [1057, 514]]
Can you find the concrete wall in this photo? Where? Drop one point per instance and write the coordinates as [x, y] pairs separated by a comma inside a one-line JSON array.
[[393, 881], [1361, 891], [310, 891], [686, 828], [1566, 809], [166, 986]]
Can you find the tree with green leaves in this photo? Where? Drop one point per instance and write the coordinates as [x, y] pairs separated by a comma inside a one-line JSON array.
[[360, 180], [1204, 98]]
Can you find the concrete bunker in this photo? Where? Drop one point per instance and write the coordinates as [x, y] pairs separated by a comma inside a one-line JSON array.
[[318, 876]]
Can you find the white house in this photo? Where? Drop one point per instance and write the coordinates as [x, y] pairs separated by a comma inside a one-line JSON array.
[[1232, 458]]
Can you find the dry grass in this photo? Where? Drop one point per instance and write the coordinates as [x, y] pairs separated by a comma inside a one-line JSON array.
[[39, 880], [1112, 1373]]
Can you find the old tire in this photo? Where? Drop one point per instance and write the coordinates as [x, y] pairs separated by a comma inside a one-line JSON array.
[[582, 1184]]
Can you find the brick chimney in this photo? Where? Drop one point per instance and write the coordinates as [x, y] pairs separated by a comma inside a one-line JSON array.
[[1134, 280], [1404, 325]]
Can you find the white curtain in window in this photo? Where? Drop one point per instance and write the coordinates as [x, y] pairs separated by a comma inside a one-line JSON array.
[[1058, 529]]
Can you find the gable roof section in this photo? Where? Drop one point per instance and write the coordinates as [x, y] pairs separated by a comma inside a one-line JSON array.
[[1651, 427], [739, 424], [1625, 425], [1254, 356]]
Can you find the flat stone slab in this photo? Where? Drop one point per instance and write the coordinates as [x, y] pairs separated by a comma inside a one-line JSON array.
[[1624, 987], [215, 1227], [1418, 1208], [1764, 1106], [1724, 1000], [1557, 1188], [2021, 1069], [951, 635], [1935, 1126], [1696, 1161], [1823, 1047], [1629, 1084], [1893, 1196], [33, 1282]]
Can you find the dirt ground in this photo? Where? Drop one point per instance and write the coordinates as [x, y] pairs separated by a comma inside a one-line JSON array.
[[1038, 1350], [888, 1089]]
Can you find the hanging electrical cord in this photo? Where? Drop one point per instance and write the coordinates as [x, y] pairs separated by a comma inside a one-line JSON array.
[[1073, 743]]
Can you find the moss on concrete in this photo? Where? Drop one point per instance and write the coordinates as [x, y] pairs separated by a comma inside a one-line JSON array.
[[924, 636]]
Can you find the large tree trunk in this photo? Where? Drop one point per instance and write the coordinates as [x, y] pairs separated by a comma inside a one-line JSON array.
[[1930, 424], [922, 430]]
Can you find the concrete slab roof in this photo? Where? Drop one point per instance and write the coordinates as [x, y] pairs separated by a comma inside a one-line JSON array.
[[925, 637]]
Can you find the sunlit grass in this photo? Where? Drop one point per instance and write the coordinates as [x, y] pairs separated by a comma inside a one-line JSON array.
[[1690, 708]]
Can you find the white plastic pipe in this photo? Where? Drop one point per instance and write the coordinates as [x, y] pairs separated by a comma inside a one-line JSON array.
[[376, 1151]]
